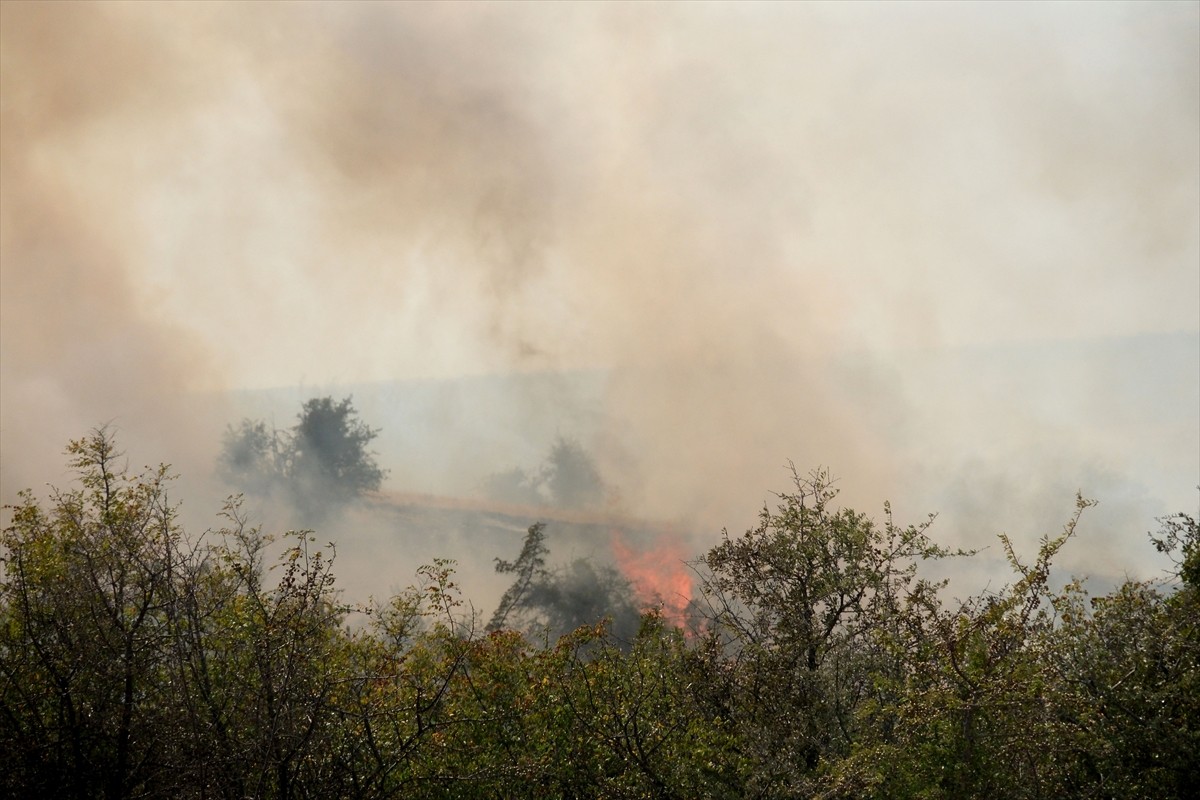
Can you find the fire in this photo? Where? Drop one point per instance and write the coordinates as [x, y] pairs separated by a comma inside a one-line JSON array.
[[660, 575]]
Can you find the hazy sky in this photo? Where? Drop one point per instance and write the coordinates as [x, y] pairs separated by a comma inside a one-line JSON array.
[[950, 250]]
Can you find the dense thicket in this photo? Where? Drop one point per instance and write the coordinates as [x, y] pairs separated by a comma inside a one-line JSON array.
[[136, 661]]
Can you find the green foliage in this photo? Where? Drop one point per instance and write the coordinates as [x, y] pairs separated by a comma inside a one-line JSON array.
[[794, 606], [138, 662], [972, 709], [1028, 693], [1179, 537], [89, 586]]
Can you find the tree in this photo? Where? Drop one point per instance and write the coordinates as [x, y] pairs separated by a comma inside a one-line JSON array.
[[324, 460], [568, 478], [571, 475], [88, 587], [329, 449], [1029, 693], [137, 663], [252, 457], [529, 568], [558, 601], [633, 707], [792, 609], [264, 674], [1132, 662], [972, 708], [515, 486]]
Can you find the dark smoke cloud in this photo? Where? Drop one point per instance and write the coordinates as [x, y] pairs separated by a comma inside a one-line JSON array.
[[837, 234]]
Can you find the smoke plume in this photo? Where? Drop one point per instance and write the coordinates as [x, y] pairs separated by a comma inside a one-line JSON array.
[[948, 251]]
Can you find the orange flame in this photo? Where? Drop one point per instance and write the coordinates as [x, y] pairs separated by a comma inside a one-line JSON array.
[[659, 575]]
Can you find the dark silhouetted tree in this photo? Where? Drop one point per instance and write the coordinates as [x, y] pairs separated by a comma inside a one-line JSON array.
[[571, 475], [568, 478], [251, 457], [329, 449], [563, 599], [323, 460]]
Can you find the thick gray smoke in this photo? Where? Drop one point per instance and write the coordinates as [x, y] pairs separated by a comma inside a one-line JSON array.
[[949, 251]]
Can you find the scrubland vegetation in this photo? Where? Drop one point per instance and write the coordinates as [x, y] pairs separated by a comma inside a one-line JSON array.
[[815, 659]]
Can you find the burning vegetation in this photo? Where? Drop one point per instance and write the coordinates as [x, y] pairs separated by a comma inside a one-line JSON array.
[[137, 660], [658, 573]]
